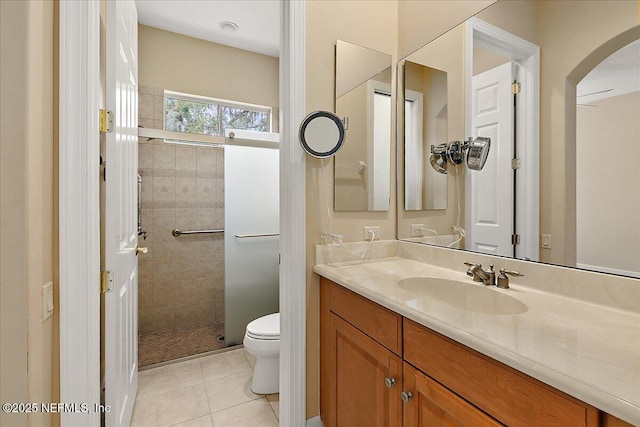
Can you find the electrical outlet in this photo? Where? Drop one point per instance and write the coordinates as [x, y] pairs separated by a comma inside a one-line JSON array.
[[375, 229], [417, 230], [546, 241]]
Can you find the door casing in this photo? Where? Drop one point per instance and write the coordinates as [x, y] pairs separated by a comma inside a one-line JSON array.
[[527, 55], [79, 227]]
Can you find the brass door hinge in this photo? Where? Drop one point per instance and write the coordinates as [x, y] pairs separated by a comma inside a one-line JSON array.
[[515, 87], [106, 281], [515, 163], [515, 239], [106, 121]]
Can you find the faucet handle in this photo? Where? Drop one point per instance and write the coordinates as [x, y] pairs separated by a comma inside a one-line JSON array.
[[511, 272], [471, 265], [503, 279]]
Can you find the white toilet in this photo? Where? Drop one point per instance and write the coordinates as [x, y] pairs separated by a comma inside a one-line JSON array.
[[262, 339]]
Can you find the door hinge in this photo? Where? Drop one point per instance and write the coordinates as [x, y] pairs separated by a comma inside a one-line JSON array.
[[345, 122], [515, 239], [515, 87], [106, 281], [106, 121], [515, 163]]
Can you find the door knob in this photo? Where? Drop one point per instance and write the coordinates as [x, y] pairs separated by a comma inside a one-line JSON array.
[[389, 382], [142, 250], [406, 396]]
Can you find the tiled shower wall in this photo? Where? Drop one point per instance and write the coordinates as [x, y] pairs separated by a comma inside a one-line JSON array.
[[181, 279]]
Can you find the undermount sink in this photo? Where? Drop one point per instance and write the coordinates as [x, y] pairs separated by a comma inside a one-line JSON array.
[[464, 296]]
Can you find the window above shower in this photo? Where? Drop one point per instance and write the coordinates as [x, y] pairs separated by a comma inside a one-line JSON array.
[[196, 114]]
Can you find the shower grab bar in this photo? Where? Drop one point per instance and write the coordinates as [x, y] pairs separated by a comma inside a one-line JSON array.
[[245, 236], [177, 232]]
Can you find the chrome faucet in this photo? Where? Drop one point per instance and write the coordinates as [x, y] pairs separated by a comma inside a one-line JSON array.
[[487, 277]]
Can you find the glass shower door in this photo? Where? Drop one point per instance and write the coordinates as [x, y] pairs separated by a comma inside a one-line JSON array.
[[251, 194]]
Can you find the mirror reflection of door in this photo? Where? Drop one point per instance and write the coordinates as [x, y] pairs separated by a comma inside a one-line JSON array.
[[491, 191], [607, 159]]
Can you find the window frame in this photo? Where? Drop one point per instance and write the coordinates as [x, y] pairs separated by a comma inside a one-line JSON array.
[[200, 99]]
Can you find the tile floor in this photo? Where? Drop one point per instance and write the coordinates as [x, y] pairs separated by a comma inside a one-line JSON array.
[[205, 392]]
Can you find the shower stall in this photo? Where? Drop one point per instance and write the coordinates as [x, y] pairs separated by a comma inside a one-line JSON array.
[[210, 216]]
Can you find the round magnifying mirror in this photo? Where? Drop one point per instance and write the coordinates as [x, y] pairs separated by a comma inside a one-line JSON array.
[[322, 134]]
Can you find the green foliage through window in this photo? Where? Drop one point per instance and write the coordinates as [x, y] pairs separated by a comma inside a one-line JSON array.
[[211, 118]]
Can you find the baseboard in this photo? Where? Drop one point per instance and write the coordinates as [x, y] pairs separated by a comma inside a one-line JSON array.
[[315, 422]]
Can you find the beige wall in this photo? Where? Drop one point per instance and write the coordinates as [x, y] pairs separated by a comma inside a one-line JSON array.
[[350, 186], [27, 195], [608, 171], [184, 64], [356, 65], [372, 25], [485, 60], [419, 22], [562, 67]]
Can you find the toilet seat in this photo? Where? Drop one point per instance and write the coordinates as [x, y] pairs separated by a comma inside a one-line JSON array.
[[265, 328]]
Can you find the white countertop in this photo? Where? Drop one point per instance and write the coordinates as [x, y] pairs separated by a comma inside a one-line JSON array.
[[589, 351]]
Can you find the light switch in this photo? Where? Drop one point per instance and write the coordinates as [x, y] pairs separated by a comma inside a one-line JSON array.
[[546, 241], [47, 301]]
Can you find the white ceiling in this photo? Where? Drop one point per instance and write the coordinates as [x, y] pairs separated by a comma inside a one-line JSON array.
[[616, 75], [259, 21]]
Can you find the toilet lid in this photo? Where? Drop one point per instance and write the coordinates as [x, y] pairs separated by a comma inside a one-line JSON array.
[[265, 327]]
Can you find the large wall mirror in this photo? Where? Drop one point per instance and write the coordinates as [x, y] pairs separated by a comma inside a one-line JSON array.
[[555, 86], [362, 180]]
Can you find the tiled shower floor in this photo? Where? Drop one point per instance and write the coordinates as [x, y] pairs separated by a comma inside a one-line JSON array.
[[174, 344]]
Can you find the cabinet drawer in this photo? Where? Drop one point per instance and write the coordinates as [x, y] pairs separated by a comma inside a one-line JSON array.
[[513, 398], [381, 324]]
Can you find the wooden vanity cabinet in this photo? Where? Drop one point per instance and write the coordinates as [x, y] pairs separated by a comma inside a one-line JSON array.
[[506, 394], [361, 378], [380, 369]]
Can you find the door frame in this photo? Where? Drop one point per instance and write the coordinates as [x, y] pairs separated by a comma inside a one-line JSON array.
[[79, 210], [527, 55]]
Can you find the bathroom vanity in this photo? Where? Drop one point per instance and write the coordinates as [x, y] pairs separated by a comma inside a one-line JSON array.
[[394, 352]]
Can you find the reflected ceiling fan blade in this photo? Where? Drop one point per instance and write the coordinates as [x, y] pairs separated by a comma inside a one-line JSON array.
[[595, 93]]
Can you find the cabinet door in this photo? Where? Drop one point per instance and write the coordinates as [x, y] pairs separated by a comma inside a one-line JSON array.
[[365, 379], [431, 404]]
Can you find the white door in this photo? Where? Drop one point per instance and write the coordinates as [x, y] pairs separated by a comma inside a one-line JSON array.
[[490, 190], [120, 233], [380, 152]]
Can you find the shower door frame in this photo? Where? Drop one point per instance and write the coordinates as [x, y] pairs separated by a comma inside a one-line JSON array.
[[79, 209]]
